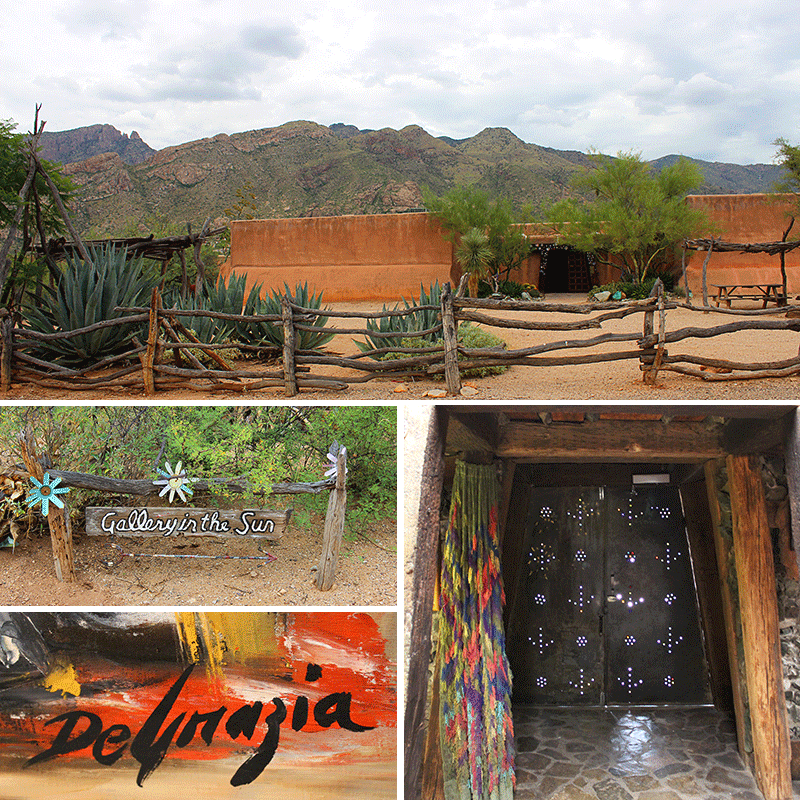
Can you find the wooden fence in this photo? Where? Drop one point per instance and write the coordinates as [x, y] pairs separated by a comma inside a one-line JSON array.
[[58, 519], [144, 364]]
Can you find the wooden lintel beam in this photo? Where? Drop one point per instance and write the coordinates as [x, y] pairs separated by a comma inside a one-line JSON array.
[[609, 441]]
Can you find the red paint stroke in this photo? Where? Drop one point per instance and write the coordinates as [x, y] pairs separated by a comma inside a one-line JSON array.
[[352, 656]]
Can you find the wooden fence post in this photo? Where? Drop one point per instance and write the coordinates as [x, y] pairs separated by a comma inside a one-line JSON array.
[[451, 373], [646, 360], [334, 525], [289, 370], [149, 356], [6, 363], [651, 367], [57, 518]]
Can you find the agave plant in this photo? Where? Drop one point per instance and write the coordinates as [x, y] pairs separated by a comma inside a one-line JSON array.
[[272, 332], [87, 293], [421, 319], [227, 298]]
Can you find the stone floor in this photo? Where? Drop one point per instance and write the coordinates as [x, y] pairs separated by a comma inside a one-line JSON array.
[[628, 754]]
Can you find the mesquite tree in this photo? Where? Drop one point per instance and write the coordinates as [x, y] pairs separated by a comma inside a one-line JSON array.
[[630, 215]]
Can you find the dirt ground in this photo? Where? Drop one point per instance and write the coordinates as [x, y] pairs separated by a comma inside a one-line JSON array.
[[617, 380], [109, 576]]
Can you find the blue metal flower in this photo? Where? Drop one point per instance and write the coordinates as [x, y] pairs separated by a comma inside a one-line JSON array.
[[46, 492], [175, 481]]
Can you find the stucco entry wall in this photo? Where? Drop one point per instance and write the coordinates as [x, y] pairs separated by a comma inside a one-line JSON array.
[[373, 257], [746, 219]]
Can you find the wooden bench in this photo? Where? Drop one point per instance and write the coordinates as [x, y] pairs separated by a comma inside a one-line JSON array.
[[765, 292]]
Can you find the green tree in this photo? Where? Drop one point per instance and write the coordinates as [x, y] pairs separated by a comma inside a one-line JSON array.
[[629, 215], [263, 444], [13, 171], [467, 208], [788, 157]]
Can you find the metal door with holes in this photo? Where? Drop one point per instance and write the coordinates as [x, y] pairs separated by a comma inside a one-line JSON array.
[[554, 638], [604, 609], [653, 648]]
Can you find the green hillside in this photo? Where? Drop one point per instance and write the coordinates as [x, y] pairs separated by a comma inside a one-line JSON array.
[[305, 169]]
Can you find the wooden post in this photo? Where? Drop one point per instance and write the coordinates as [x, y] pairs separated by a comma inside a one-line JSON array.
[[334, 526], [425, 572], [758, 605], [723, 550], [451, 374], [6, 364], [152, 340], [792, 457], [646, 361], [705, 272], [57, 518], [685, 276], [289, 370]]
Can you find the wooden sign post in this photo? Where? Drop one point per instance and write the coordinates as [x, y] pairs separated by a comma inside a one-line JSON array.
[[174, 522], [334, 526], [58, 518]]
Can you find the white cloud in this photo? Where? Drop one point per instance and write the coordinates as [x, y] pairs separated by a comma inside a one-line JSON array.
[[709, 80]]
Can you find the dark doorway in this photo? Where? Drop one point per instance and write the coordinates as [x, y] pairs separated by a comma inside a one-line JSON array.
[[564, 270], [604, 610]]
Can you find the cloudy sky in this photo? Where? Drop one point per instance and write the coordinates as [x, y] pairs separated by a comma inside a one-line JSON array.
[[714, 80]]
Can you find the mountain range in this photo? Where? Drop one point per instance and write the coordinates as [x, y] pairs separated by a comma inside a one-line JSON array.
[[305, 169]]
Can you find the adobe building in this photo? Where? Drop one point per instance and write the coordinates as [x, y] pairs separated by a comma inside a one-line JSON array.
[[650, 634], [384, 257]]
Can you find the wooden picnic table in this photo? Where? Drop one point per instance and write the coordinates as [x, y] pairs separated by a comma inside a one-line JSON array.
[[766, 292]]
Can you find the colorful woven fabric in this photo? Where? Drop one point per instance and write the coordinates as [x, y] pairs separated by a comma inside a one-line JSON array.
[[476, 728]]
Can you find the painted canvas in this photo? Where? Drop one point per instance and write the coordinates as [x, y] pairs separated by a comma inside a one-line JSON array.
[[208, 704]]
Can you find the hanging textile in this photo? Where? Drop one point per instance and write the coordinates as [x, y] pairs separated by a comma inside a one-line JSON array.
[[476, 729]]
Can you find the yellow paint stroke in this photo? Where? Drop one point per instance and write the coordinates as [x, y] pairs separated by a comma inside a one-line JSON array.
[[62, 678], [225, 637]]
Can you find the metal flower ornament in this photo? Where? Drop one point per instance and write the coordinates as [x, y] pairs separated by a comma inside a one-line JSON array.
[[174, 481], [46, 492], [333, 457]]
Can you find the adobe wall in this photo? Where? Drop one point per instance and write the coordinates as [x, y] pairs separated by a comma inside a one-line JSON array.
[[384, 257], [380, 257], [745, 218]]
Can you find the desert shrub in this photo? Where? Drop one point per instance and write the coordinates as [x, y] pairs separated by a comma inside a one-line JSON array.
[[87, 293], [507, 289], [638, 291]]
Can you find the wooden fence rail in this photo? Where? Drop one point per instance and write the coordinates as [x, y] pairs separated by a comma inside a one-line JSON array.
[[145, 364]]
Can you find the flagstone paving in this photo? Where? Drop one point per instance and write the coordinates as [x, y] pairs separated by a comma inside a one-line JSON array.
[[629, 754]]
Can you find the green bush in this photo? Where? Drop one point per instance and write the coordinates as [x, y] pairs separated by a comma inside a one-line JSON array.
[[87, 293], [638, 291], [507, 289]]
